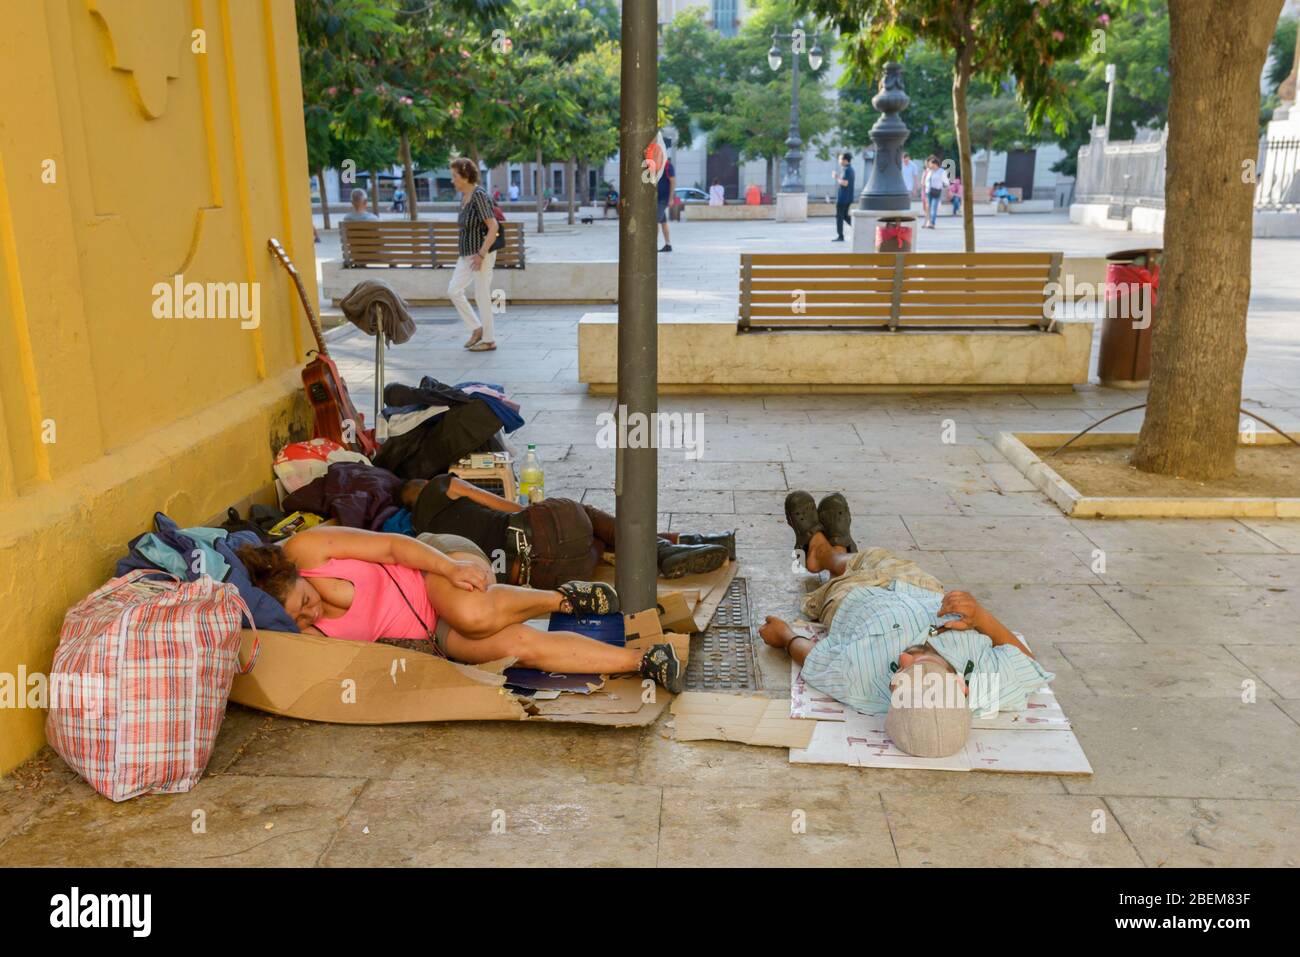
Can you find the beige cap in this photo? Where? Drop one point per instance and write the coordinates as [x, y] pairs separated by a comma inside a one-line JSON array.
[[929, 716]]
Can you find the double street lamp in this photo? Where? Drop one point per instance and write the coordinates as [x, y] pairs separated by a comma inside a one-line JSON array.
[[792, 180]]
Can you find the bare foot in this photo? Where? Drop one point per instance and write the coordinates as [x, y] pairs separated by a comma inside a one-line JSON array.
[[819, 550], [776, 632]]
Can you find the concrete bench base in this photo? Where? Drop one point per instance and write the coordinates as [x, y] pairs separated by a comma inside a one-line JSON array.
[[553, 282], [705, 354]]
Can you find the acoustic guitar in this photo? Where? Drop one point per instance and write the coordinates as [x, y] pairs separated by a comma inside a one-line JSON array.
[[336, 417]]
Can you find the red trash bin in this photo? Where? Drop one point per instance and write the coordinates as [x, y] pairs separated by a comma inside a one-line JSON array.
[[1132, 281], [894, 234]]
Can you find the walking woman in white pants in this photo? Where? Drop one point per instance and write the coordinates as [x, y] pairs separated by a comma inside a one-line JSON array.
[[478, 231]]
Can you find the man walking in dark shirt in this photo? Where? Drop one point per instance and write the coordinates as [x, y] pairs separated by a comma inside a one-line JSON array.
[[844, 197]]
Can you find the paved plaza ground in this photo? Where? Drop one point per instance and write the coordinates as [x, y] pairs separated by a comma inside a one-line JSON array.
[[1152, 656]]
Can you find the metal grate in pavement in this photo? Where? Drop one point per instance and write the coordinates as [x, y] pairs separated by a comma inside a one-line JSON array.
[[722, 657]]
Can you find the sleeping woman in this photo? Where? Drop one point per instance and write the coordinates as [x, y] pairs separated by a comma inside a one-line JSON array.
[[363, 586]]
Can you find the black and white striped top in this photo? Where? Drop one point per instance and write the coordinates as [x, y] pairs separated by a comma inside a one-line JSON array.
[[475, 213]]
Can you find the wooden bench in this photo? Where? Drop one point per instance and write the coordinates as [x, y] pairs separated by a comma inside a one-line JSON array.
[[419, 243], [896, 291]]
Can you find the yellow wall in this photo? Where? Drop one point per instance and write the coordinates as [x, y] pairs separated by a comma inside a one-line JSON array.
[[164, 161]]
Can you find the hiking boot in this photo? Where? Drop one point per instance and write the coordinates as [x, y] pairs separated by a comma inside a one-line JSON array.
[[678, 560], [726, 539], [667, 249], [662, 665], [589, 598]]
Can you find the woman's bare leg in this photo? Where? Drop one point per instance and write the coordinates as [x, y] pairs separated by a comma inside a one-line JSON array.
[[478, 614], [556, 651]]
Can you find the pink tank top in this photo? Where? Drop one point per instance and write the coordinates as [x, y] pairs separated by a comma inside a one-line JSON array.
[[377, 610]]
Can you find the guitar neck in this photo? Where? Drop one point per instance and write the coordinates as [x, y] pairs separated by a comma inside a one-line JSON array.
[[287, 263]]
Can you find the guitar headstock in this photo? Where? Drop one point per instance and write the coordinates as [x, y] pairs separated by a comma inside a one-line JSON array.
[[274, 245]]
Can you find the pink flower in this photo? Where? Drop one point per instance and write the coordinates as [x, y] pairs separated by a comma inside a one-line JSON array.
[[1104, 19], [356, 91], [332, 91], [1058, 35]]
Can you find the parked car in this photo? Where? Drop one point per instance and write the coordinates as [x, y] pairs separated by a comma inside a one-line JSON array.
[[689, 194]]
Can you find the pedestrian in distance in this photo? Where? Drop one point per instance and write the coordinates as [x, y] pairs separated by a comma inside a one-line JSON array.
[[843, 196]]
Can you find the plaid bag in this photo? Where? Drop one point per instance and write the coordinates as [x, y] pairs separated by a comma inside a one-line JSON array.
[[140, 679]]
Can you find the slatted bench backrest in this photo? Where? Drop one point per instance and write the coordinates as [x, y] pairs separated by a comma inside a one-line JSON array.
[[896, 290], [395, 242]]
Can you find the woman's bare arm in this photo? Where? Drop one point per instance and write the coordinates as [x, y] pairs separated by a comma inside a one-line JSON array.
[[316, 546]]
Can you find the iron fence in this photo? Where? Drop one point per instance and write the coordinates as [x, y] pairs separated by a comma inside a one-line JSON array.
[[1122, 174], [1278, 185]]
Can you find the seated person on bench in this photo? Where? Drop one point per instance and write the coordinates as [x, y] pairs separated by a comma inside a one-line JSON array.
[[363, 586], [891, 624], [548, 542]]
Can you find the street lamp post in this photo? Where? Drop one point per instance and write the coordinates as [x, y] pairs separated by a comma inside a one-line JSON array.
[[792, 200]]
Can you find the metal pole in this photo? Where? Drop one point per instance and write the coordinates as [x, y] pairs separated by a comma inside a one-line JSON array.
[[1110, 94], [636, 470], [793, 180]]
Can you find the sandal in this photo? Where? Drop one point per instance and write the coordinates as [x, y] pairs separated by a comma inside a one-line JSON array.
[[589, 598], [482, 347], [833, 512], [801, 515], [473, 339]]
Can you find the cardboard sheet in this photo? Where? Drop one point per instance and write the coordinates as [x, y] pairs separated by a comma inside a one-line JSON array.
[[702, 595], [750, 720], [860, 741], [618, 696], [353, 682]]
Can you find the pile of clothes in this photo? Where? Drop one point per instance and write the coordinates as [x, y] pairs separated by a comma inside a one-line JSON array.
[[190, 553], [426, 429]]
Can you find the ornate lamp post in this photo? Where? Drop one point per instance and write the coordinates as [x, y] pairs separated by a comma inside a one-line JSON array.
[[792, 200], [885, 194], [886, 189]]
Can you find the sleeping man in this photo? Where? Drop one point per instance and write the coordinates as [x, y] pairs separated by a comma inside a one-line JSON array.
[[548, 542], [897, 643]]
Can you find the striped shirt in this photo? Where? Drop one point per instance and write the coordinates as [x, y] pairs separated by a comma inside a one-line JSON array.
[[873, 625], [475, 213]]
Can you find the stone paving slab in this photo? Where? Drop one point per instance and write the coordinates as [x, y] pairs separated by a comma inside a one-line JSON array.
[[1187, 747], [747, 827], [271, 821], [1177, 832], [1035, 831], [572, 755], [514, 823], [1219, 615]]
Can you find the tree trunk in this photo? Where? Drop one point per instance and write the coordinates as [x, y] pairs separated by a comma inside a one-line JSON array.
[[584, 193], [374, 192], [408, 177], [541, 192], [1199, 327], [324, 200], [769, 178], [960, 86], [573, 185]]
